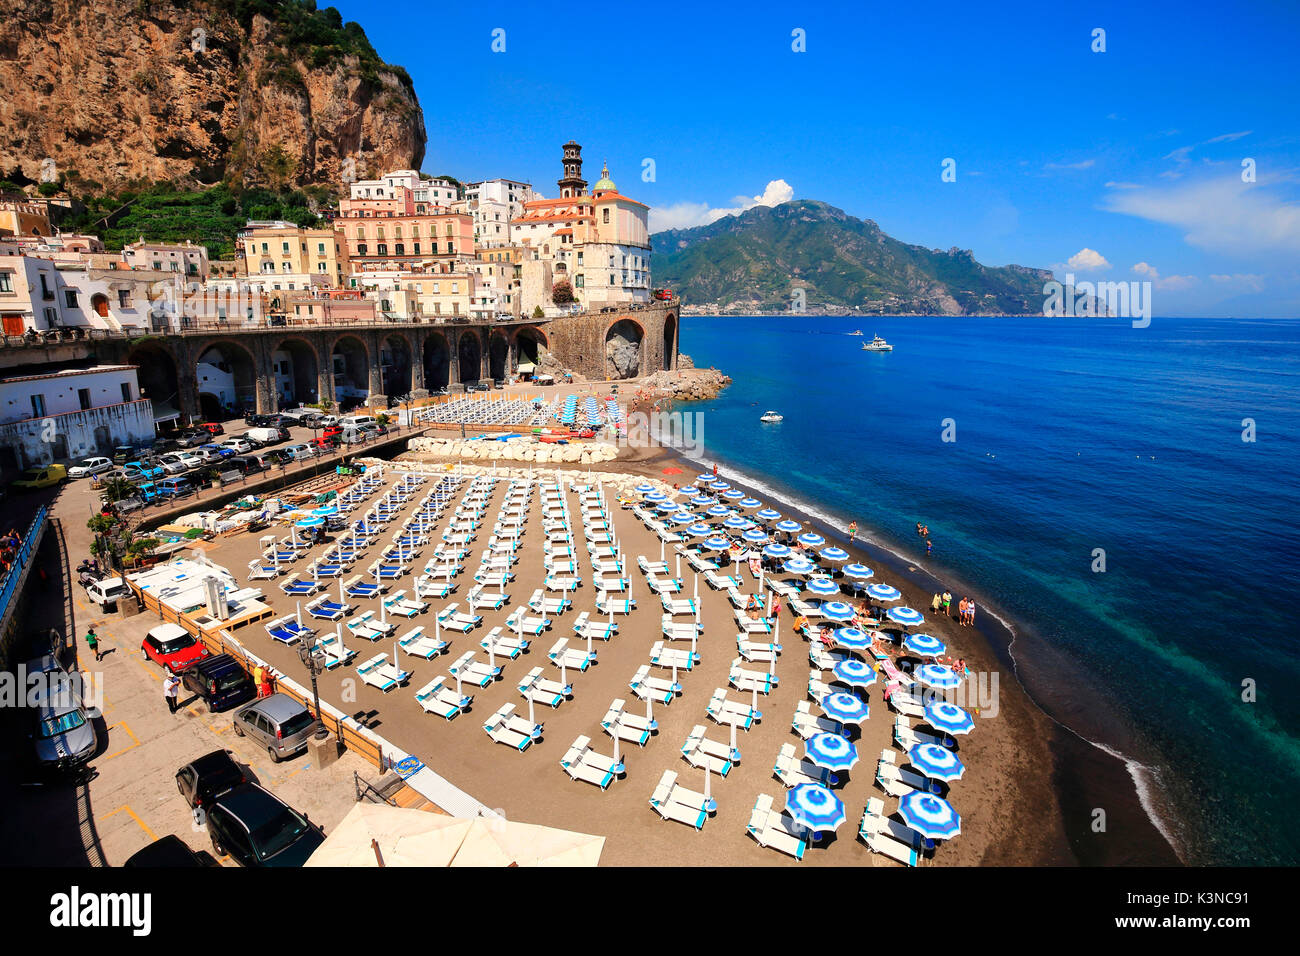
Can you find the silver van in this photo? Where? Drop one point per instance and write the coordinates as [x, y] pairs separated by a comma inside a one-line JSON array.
[[279, 723]]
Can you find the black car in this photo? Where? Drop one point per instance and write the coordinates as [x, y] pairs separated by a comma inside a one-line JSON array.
[[203, 780], [171, 852], [312, 420], [221, 681], [257, 829], [244, 464]]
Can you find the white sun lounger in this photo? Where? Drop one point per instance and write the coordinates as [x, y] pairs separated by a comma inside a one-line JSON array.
[[806, 724], [700, 563], [601, 583], [818, 689], [757, 652], [427, 587], [634, 728], [792, 771], [364, 625], [662, 655], [898, 782], [542, 690], [747, 680], [548, 606], [468, 669], [806, 609], [757, 625], [500, 641], [699, 750], [678, 605], [570, 657], [335, 653], [907, 738], [608, 605], [680, 630], [724, 711], [649, 567], [906, 704], [614, 566], [720, 582], [787, 589], [777, 831], [504, 728], [399, 603], [582, 763], [662, 586], [653, 688], [436, 698], [416, 643], [524, 623], [479, 598], [258, 571], [674, 802], [452, 617], [584, 626], [380, 672], [821, 658], [887, 836]]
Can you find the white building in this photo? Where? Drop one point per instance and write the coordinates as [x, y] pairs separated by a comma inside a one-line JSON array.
[[71, 414], [436, 192], [493, 203]]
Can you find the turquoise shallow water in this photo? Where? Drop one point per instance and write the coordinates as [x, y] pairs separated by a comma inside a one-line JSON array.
[[1071, 436]]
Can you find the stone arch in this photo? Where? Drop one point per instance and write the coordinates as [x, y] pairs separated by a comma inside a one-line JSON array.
[[670, 341], [437, 362], [295, 371], [99, 304], [157, 373], [350, 367], [469, 355], [529, 343], [624, 349], [498, 355], [395, 357], [225, 374]]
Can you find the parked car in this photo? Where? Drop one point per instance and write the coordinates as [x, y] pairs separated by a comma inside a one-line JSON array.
[[220, 681], [62, 733], [354, 436], [178, 486], [45, 476], [124, 453], [324, 446], [202, 780], [478, 387], [212, 428], [245, 464], [106, 591], [248, 437], [268, 435], [141, 471], [90, 466], [169, 852], [327, 420], [212, 452], [194, 437], [164, 447], [311, 420], [173, 464], [173, 647], [258, 829], [279, 723], [297, 452], [238, 445]]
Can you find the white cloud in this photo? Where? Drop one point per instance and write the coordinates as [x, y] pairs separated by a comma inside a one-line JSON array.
[[1229, 137], [1168, 283], [1221, 215], [1081, 164], [685, 215], [1121, 185], [1087, 259], [1146, 269]]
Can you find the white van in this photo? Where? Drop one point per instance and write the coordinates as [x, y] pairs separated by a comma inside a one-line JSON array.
[[267, 436], [107, 591], [358, 421]]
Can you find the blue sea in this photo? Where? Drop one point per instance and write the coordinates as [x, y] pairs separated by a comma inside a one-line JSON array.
[[1073, 437]]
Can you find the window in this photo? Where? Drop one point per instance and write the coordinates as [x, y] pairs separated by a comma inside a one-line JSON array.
[[399, 249], [381, 248], [577, 280], [70, 298], [611, 278], [320, 248], [606, 212], [6, 282], [123, 299], [415, 248], [38, 406], [126, 391], [264, 247], [51, 317], [83, 397], [45, 287], [361, 249]]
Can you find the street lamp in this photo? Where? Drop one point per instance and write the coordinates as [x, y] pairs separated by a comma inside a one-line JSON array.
[[311, 656]]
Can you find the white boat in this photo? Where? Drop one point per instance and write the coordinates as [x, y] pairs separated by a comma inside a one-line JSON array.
[[771, 416], [877, 344], [858, 332]]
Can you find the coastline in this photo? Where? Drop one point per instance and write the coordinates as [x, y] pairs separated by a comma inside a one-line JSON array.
[[1051, 782]]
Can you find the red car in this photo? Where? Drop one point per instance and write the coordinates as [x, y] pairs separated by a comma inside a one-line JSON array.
[[212, 428], [172, 647]]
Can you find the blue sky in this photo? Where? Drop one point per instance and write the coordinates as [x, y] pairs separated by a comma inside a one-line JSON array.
[[1126, 163]]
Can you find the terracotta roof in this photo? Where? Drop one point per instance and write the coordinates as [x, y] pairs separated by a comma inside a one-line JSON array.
[[612, 196]]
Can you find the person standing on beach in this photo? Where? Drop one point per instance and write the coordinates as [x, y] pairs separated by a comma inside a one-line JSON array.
[[853, 531], [961, 612], [929, 546], [936, 604], [947, 604], [970, 613]]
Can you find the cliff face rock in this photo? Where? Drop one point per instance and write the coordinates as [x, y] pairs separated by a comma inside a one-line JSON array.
[[257, 91], [688, 385]]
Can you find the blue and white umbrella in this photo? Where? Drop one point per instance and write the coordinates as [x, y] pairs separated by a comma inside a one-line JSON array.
[[938, 676], [655, 497], [754, 536], [814, 807], [854, 673], [717, 543], [844, 708], [700, 501], [737, 522], [853, 638], [310, 522], [749, 503], [734, 494], [823, 586], [831, 752], [767, 514], [718, 511], [883, 592], [719, 485], [946, 716], [788, 526], [681, 517], [326, 511], [905, 616], [859, 571], [926, 645], [929, 815], [645, 489], [667, 506], [706, 477], [799, 566], [811, 540], [776, 551], [837, 611], [937, 762], [834, 554], [698, 529]]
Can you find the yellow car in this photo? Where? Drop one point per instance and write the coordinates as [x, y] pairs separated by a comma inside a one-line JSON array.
[[42, 477]]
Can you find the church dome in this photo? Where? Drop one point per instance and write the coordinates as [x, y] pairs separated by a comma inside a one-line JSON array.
[[604, 184]]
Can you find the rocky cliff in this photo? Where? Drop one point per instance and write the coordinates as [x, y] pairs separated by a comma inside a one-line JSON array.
[[270, 92]]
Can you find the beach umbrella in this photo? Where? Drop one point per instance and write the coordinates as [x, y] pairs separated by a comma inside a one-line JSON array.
[[700, 501], [837, 611], [767, 514], [883, 592], [737, 523], [844, 707], [814, 807], [705, 478], [799, 566], [656, 496], [299, 614], [946, 716], [854, 673], [831, 752], [788, 526], [718, 511], [930, 816], [650, 721], [710, 805], [859, 571], [646, 489], [311, 521], [937, 762], [776, 551], [855, 639], [937, 676], [718, 484], [748, 503], [754, 536], [836, 555], [924, 645], [717, 543], [681, 517], [697, 529], [811, 540], [905, 616], [733, 494], [667, 507], [618, 764], [823, 586]]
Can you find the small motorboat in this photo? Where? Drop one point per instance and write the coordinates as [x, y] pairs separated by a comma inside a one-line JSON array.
[[856, 332], [877, 344], [770, 416]]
